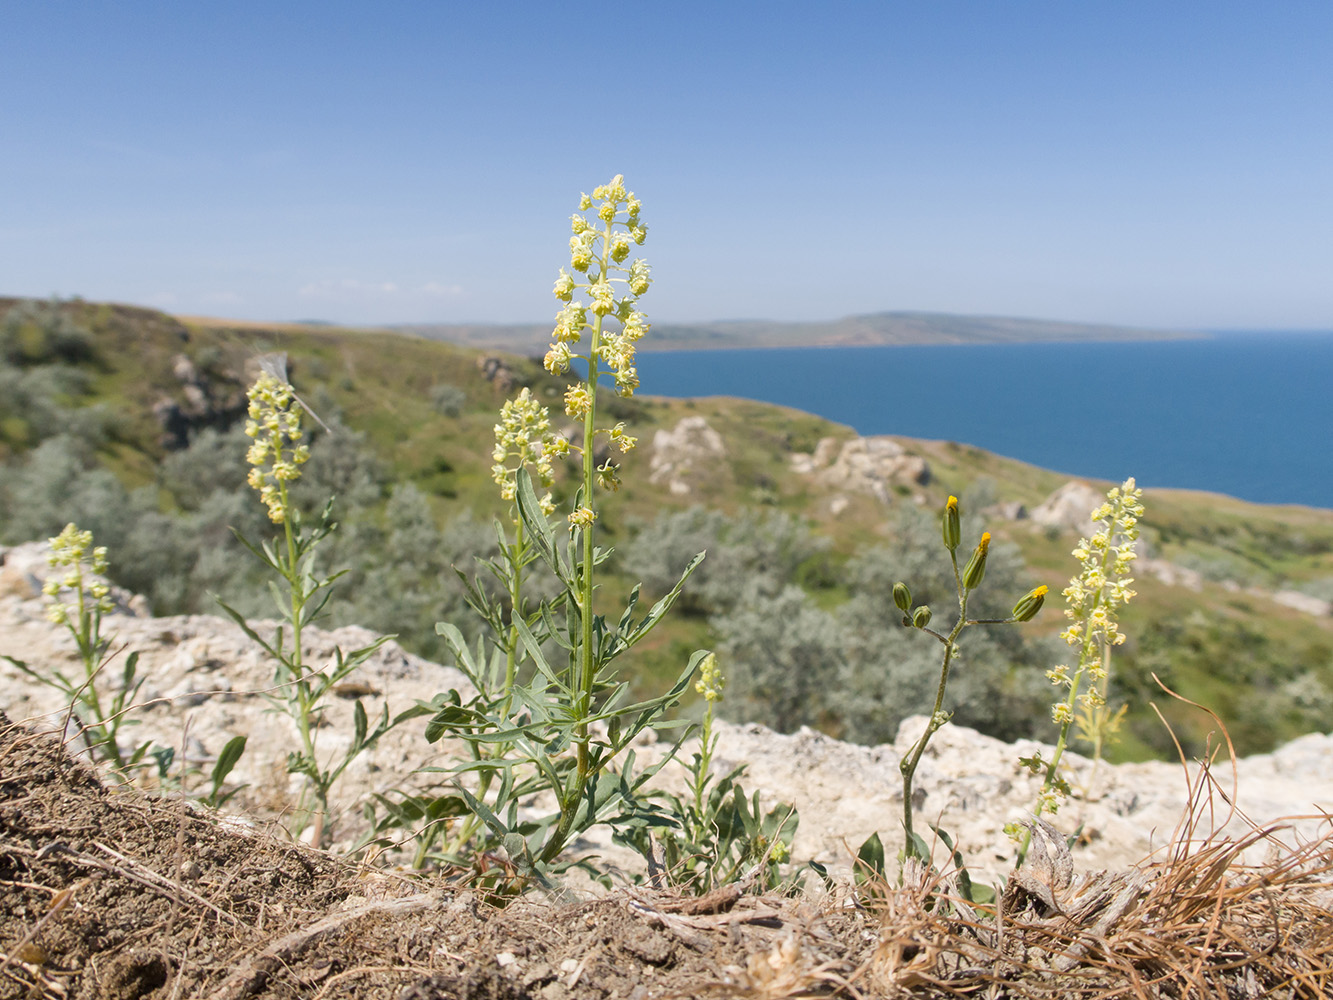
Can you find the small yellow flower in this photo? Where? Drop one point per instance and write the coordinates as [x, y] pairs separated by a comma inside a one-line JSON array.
[[578, 400], [557, 359], [624, 441], [608, 477], [639, 279], [627, 380], [582, 517], [564, 286], [603, 297]]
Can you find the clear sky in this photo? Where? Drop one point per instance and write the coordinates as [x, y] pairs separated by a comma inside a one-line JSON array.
[[1148, 163]]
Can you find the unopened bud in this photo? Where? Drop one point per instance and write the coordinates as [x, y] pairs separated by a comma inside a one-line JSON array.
[[952, 530], [902, 597], [976, 566], [921, 616], [1026, 609]]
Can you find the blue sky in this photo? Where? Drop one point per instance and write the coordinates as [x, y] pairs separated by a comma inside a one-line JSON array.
[[1153, 164]]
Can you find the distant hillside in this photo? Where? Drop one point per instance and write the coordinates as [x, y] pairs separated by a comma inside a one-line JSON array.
[[889, 328], [130, 422]]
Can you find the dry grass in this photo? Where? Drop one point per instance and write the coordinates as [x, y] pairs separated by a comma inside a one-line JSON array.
[[1204, 921]]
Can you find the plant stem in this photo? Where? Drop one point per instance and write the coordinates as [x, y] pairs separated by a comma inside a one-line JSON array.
[[295, 669], [515, 597], [586, 653], [909, 764]]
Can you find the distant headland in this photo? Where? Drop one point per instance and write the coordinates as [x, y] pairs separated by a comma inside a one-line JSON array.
[[883, 328]]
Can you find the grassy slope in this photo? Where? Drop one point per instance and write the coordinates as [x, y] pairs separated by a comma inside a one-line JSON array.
[[382, 383]]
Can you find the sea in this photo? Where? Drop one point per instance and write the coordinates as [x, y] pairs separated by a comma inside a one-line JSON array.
[[1248, 414]]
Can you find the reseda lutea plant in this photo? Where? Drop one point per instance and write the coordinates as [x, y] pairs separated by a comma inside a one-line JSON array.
[[79, 599], [276, 455], [1094, 597], [967, 580], [537, 725], [718, 834]]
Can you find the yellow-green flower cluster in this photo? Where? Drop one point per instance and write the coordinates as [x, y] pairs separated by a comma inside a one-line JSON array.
[[71, 549], [1094, 596], [582, 517], [599, 251], [276, 453], [711, 682], [523, 437]]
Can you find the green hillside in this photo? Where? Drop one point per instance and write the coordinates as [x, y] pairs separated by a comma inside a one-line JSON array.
[[126, 420]]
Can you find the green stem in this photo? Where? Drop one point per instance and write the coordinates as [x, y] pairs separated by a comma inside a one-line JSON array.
[[515, 597], [909, 764], [299, 692], [586, 654]]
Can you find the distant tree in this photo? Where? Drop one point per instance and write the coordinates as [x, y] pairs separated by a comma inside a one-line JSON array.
[[447, 399], [781, 654], [764, 552]]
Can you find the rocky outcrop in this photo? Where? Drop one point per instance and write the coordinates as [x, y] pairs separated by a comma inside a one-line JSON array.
[[1306, 603], [206, 681], [496, 371], [682, 455], [873, 465], [1069, 507], [971, 785], [203, 401]]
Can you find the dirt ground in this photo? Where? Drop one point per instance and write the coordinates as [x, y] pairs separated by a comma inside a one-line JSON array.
[[107, 893], [110, 894]]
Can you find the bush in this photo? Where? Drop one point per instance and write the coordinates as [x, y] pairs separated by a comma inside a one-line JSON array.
[[762, 552], [783, 656], [447, 399], [37, 333], [890, 672]]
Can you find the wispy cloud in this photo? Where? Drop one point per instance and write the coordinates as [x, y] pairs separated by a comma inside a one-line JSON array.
[[354, 289], [345, 288], [438, 290]]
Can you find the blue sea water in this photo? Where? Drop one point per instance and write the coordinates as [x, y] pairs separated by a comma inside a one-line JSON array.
[[1246, 414]]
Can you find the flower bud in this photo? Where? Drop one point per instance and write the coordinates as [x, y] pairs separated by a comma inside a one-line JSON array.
[[902, 597], [976, 566], [952, 529], [1026, 609], [921, 616]]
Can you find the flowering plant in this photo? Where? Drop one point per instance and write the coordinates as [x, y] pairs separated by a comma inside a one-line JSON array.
[[276, 455], [966, 580], [79, 599], [716, 835], [561, 729], [1093, 598]]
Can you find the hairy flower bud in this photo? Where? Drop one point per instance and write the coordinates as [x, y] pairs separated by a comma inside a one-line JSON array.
[[902, 597], [952, 527], [976, 566], [1028, 606], [921, 616]]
